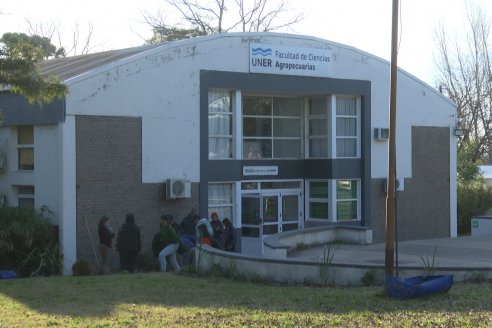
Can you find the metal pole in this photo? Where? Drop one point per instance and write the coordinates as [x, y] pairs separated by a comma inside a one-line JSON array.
[[390, 197]]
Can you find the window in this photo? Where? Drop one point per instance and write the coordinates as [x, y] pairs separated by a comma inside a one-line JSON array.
[[343, 206], [25, 196], [347, 127], [272, 127], [317, 127], [347, 200], [220, 124], [221, 200], [318, 200], [25, 147]]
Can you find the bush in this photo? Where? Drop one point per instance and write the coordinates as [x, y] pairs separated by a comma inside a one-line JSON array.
[[81, 268], [473, 200], [27, 242]]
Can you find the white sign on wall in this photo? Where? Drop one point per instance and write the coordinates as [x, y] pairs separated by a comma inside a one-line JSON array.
[[275, 59], [260, 170]]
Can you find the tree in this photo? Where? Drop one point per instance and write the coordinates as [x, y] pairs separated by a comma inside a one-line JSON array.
[[80, 43], [19, 72], [162, 32], [219, 16], [465, 76], [48, 50]]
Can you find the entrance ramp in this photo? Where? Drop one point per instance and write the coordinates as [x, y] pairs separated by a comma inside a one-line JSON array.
[[277, 246]]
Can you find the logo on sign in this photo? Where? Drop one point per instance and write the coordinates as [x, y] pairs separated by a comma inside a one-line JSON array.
[[259, 61], [261, 51]]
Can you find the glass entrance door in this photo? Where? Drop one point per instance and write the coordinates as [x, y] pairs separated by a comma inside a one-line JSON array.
[[251, 217], [266, 214]]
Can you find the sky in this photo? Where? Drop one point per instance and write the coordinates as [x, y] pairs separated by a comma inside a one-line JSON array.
[[363, 24]]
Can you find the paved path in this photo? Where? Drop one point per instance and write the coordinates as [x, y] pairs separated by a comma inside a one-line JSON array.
[[462, 252]]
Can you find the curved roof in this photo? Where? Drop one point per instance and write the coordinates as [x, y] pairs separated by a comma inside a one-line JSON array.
[[68, 67]]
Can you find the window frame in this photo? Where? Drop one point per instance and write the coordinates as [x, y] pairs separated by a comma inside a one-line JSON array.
[[24, 193], [217, 206], [356, 116], [20, 147], [272, 119], [230, 113], [308, 118], [346, 200]]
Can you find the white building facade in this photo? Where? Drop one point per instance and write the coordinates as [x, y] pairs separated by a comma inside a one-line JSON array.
[[276, 132]]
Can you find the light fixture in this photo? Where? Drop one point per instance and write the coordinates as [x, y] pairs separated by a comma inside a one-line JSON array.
[[459, 129]]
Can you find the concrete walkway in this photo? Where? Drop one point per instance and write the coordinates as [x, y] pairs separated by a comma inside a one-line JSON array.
[[462, 253]]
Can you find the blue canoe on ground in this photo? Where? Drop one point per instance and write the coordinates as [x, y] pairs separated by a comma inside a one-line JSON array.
[[417, 286]]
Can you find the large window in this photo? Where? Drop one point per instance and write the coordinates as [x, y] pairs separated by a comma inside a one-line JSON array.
[[25, 147], [318, 200], [343, 206], [346, 127], [220, 124], [272, 127], [317, 127], [347, 200], [221, 200]]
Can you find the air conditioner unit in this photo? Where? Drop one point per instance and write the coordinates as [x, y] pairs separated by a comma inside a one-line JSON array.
[[385, 185], [176, 188], [381, 134]]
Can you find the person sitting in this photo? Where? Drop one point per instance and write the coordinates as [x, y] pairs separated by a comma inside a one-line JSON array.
[[230, 235], [218, 229], [205, 234]]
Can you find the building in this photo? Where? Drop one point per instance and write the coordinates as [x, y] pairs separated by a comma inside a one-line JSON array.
[[277, 132]]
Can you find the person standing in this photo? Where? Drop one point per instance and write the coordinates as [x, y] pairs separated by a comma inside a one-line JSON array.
[[128, 244], [106, 235], [230, 235], [171, 244]]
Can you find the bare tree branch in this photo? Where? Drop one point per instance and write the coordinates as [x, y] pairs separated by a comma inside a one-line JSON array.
[[218, 16], [465, 77]]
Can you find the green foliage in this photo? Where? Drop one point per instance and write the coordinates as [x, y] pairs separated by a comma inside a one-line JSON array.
[[171, 33], [473, 199], [45, 49], [19, 57], [28, 243], [429, 263], [325, 265], [468, 169], [81, 268], [369, 278], [477, 278]]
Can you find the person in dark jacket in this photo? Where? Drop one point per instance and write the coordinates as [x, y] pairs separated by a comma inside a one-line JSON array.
[[218, 229], [106, 235], [128, 244], [230, 235], [188, 225], [171, 244]]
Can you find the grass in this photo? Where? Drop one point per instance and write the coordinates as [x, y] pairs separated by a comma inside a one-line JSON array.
[[170, 300]]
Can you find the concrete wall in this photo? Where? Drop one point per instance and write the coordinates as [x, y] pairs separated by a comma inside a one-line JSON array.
[[109, 182], [423, 208]]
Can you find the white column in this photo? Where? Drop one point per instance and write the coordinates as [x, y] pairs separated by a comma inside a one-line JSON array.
[[453, 193], [68, 212]]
